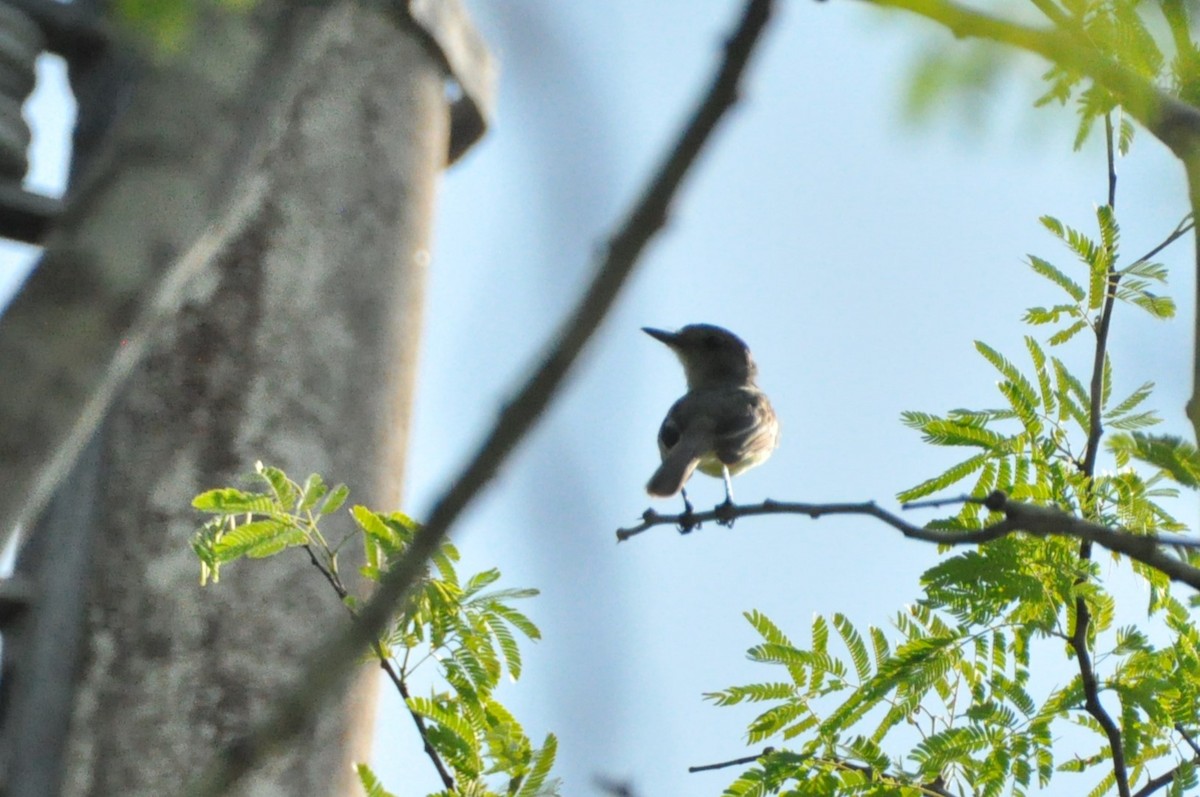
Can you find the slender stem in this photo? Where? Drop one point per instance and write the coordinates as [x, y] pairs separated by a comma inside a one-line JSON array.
[[1187, 737], [1079, 640], [386, 665], [734, 762], [418, 720], [1112, 160]]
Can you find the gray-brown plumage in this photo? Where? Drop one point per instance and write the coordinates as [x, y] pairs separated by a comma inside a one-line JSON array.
[[724, 424]]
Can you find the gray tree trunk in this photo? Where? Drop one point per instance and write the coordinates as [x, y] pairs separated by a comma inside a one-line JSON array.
[[297, 348]]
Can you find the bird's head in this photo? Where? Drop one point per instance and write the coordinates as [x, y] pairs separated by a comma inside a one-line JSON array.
[[711, 356]]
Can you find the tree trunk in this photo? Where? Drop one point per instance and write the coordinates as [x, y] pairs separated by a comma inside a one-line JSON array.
[[297, 348]]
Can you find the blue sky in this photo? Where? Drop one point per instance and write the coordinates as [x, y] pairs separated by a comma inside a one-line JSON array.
[[858, 254]]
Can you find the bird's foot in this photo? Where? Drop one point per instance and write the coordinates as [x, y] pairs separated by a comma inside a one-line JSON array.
[[687, 520], [726, 513]]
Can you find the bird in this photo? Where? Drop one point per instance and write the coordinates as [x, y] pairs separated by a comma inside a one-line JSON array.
[[724, 424]]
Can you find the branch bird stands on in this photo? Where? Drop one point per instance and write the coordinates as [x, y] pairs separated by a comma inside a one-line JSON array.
[[722, 426]]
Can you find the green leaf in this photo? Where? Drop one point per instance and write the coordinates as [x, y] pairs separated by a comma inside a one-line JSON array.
[[454, 723], [1147, 269], [481, 580], [1010, 371], [284, 488], [1052, 273], [766, 629], [370, 782], [955, 433], [314, 490], [507, 643], [1125, 136], [1072, 395], [377, 528], [753, 693], [229, 500], [1161, 307], [540, 768], [516, 619], [334, 500], [1036, 316], [1066, 333], [945, 479], [879, 646], [1110, 233], [1131, 402], [1175, 456], [1043, 376], [259, 539], [1139, 420], [854, 644]]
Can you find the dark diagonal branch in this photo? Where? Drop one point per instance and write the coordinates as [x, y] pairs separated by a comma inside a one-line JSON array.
[[1041, 521], [330, 667], [1166, 778]]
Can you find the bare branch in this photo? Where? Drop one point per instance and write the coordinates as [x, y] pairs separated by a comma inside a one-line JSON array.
[[935, 788], [332, 664], [1183, 228], [750, 759], [1041, 521]]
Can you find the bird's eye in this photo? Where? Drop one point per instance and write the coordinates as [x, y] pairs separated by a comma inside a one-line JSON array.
[[711, 341]]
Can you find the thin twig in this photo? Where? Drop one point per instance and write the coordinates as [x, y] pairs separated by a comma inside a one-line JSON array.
[[935, 788], [1183, 228], [1187, 737], [1111, 157], [736, 762], [1083, 613], [1041, 521], [1091, 692], [385, 663], [330, 667], [1165, 779]]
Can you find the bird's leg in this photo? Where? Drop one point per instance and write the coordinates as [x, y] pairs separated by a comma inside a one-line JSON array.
[[724, 511], [686, 523]]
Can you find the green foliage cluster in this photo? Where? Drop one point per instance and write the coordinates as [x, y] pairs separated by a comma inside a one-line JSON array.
[[467, 630], [943, 703], [952, 683], [1151, 40]]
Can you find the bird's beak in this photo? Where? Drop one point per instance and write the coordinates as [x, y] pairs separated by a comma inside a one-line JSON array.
[[669, 338]]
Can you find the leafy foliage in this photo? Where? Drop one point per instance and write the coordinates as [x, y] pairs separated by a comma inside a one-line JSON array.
[[466, 629], [943, 702]]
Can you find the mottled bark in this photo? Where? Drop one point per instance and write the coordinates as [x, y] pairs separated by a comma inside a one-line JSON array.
[[296, 347]]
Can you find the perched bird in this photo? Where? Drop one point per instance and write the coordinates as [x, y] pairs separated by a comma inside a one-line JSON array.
[[724, 424]]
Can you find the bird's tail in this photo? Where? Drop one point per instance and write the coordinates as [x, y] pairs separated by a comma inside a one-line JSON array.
[[675, 469]]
